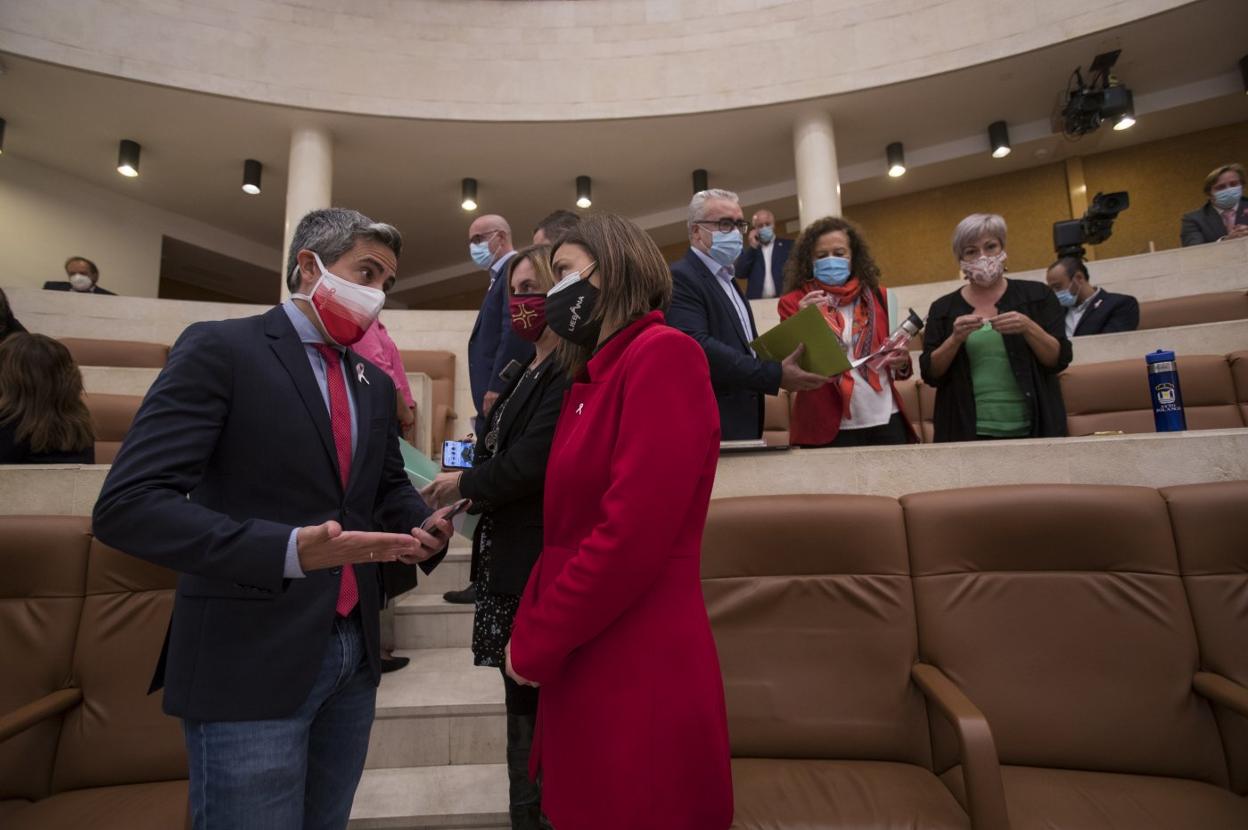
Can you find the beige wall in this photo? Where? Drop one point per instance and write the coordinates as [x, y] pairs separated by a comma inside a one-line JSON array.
[[49, 216]]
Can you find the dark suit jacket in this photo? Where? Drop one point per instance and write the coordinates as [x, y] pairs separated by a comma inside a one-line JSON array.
[[508, 484], [1205, 224], [63, 285], [493, 344], [230, 450], [1109, 313], [701, 310], [751, 266]]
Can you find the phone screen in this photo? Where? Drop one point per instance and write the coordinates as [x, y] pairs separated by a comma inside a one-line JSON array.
[[457, 455]]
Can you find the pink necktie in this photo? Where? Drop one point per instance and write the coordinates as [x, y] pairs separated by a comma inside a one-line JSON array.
[[340, 423]]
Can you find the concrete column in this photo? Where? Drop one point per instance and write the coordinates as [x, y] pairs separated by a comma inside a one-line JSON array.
[[309, 182], [814, 157]]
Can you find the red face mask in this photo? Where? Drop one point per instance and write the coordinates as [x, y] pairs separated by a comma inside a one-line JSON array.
[[345, 309], [528, 315]]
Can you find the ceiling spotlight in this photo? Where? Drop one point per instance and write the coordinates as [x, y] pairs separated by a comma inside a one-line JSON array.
[[700, 181], [999, 139], [251, 177], [2, 126], [582, 192], [1126, 120], [896, 159], [128, 158], [468, 194]]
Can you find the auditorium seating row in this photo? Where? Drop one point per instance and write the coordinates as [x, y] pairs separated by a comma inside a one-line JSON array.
[[1100, 397], [1036, 657]]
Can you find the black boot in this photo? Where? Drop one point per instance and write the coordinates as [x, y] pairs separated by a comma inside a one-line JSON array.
[[526, 795]]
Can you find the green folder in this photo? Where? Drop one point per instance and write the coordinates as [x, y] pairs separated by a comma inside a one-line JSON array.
[[421, 470], [823, 356]]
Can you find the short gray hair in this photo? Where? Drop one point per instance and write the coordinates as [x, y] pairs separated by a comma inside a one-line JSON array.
[[330, 233], [975, 226], [697, 205]]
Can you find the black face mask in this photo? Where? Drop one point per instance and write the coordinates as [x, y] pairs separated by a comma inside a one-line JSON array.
[[569, 309]]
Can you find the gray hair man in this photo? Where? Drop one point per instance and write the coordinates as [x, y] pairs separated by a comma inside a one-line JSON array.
[[761, 265]]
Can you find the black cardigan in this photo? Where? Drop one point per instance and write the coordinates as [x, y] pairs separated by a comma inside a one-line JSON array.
[[508, 484], [954, 418]]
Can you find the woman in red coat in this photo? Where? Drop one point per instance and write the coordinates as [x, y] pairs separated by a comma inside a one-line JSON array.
[[632, 729], [831, 267]]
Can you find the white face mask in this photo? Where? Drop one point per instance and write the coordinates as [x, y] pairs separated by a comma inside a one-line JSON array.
[[80, 282], [346, 310]]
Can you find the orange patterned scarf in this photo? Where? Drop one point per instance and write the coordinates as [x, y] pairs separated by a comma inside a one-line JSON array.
[[866, 335]]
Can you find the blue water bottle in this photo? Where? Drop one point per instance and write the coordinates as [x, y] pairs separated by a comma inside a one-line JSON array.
[[1163, 386]]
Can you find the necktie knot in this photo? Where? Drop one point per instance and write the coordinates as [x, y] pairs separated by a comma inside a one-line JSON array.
[[331, 355]]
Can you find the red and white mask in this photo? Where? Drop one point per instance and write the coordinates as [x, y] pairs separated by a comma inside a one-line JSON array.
[[346, 310]]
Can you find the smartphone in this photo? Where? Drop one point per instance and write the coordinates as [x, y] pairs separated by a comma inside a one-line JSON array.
[[457, 455], [456, 508]]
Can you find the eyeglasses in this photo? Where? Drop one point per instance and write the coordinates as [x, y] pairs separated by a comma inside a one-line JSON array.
[[477, 239], [725, 225]]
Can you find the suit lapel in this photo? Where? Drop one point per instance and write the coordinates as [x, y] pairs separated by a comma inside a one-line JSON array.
[[362, 391], [717, 292], [294, 358], [1213, 222]]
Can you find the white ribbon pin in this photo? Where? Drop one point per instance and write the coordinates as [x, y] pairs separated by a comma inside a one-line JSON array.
[[359, 374]]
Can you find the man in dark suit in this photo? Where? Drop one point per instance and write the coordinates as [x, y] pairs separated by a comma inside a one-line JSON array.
[[708, 306], [1089, 310], [260, 464], [81, 275], [1225, 215], [762, 263]]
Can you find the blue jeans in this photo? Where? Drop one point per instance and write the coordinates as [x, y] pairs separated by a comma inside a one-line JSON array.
[[294, 773]]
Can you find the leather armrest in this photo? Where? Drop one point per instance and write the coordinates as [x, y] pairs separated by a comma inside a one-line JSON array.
[[1222, 691], [985, 794], [24, 717]]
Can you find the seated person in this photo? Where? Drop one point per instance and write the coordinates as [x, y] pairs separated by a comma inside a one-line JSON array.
[[81, 275], [8, 323], [43, 419], [1089, 310], [1225, 215]]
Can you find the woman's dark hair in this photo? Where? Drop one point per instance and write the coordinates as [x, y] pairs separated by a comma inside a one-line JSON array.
[[801, 265], [8, 323], [41, 394]]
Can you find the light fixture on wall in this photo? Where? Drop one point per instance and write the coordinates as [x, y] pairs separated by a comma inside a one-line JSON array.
[[1126, 120], [468, 194], [251, 177], [582, 192], [999, 138], [700, 181], [2, 126], [896, 159], [128, 158]]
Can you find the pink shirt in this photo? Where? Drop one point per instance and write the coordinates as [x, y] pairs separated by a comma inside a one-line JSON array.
[[377, 348]]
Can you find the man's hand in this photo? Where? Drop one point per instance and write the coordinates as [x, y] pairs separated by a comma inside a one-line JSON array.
[[1011, 322], [329, 546], [753, 238], [511, 671], [431, 537], [1237, 232], [487, 403], [796, 379], [443, 490]]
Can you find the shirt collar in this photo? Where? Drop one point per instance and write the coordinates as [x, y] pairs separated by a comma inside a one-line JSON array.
[[1083, 305], [303, 326], [497, 267], [713, 266]]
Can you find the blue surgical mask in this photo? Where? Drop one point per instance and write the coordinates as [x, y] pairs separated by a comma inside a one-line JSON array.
[[832, 270], [766, 233], [480, 253], [1067, 298], [726, 246], [1228, 198]]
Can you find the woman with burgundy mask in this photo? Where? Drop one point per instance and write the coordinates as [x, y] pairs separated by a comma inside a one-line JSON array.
[[505, 484], [994, 348]]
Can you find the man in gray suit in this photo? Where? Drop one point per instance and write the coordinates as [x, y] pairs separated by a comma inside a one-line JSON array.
[[1225, 215]]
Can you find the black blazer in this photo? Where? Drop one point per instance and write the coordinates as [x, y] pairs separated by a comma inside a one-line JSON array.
[[63, 285], [1109, 313], [954, 416], [1205, 224], [509, 484], [751, 266], [230, 450], [701, 310]]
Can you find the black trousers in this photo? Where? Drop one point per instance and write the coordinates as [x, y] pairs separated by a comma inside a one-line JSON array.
[[894, 432]]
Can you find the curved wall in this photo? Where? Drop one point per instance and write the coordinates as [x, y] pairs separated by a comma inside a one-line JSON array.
[[542, 60]]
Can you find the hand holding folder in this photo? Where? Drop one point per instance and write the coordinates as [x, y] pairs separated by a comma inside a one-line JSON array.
[[823, 356]]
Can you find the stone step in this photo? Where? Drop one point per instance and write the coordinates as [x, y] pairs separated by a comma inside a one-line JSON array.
[[452, 573], [432, 798], [425, 621], [440, 709]]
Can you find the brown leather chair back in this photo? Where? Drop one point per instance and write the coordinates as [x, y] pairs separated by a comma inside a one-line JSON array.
[[1194, 309], [1212, 538], [908, 391], [927, 410], [124, 353], [1115, 396], [776, 413], [111, 416], [809, 599], [440, 367], [1239, 376], [44, 562], [1060, 612]]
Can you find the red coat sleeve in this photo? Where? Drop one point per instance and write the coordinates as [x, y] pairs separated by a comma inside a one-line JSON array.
[[787, 305], [645, 507]]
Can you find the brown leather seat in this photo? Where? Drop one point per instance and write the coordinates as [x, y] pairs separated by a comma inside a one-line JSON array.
[[776, 413], [123, 353], [1060, 612], [810, 602], [1114, 396], [909, 392], [1239, 375], [111, 416], [1194, 309], [440, 367], [927, 410]]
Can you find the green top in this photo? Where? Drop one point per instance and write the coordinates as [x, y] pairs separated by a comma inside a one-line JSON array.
[[1001, 411]]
